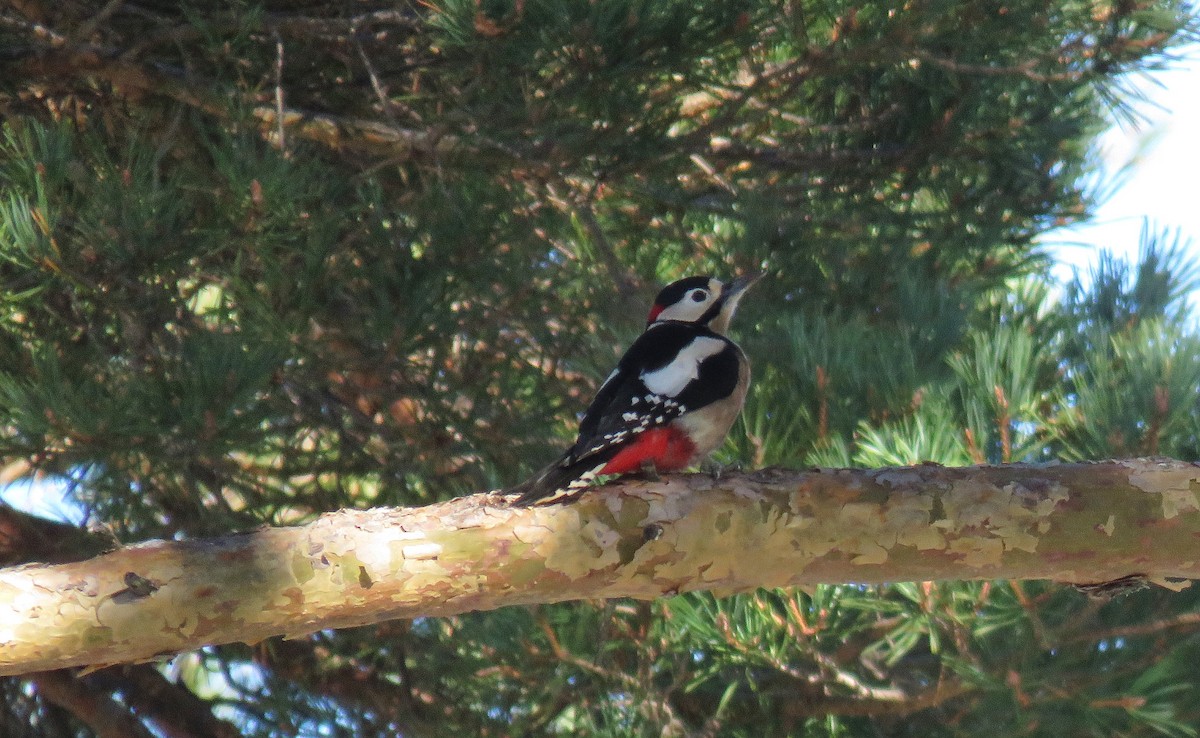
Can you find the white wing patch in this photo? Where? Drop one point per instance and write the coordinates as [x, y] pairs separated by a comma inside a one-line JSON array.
[[671, 379], [611, 377]]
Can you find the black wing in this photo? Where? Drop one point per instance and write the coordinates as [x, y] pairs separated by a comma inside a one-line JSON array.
[[629, 409]]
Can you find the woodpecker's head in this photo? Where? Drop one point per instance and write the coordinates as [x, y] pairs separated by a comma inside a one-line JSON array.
[[702, 300]]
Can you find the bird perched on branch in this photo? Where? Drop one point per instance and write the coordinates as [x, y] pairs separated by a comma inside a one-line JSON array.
[[670, 401]]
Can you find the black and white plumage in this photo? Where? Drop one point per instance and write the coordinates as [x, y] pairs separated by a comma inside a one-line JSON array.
[[670, 401]]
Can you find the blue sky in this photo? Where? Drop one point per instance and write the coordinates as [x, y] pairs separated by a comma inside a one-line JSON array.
[[1163, 155]]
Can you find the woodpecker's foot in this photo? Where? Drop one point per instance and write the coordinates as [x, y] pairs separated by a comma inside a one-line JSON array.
[[649, 471], [716, 469]]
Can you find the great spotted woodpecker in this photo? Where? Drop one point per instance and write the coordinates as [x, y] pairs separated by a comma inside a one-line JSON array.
[[670, 401]]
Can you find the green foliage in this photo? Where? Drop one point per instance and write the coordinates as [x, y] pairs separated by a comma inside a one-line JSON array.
[[211, 320]]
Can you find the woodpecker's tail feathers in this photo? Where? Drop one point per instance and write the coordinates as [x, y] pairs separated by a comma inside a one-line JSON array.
[[555, 483]]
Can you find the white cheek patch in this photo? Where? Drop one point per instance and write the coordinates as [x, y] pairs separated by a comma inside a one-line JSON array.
[[686, 311], [671, 379]]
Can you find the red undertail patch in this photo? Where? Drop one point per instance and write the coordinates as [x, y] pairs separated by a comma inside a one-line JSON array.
[[668, 448]]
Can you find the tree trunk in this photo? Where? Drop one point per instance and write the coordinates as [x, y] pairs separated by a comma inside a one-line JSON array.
[[1078, 523]]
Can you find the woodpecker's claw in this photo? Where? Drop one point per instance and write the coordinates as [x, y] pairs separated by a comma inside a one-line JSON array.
[[649, 471], [716, 469]]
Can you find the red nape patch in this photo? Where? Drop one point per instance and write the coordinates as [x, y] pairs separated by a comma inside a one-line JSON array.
[[654, 311], [668, 448]]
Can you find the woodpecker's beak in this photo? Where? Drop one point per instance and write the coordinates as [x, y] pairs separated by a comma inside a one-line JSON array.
[[730, 295], [740, 284]]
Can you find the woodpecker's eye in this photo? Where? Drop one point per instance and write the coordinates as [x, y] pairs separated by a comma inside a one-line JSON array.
[[699, 296]]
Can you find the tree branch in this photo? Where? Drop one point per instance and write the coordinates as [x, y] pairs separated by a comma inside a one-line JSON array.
[[98, 711], [25, 537], [772, 528], [173, 710], [341, 133]]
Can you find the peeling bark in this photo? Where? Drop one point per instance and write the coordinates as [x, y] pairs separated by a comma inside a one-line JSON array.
[[773, 528]]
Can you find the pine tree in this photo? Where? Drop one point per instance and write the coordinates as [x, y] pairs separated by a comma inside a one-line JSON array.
[[263, 261]]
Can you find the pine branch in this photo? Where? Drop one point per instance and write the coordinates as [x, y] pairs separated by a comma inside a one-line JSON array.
[[773, 528], [173, 710], [100, 712], [361, 135], [25, 537]]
